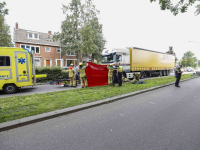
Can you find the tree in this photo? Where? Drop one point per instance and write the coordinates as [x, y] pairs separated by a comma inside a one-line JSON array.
[[171, 51], [5, 37], [190, 62], [184, 62], [188, 55], [70, 28], [96, 41], [181, 6], [198, 63]]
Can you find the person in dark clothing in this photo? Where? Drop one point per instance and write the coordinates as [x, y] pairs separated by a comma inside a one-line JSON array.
[[178, 75], [115, 74], [119, 75]]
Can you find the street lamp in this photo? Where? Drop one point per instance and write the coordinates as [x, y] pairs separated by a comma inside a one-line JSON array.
[[197, 58]]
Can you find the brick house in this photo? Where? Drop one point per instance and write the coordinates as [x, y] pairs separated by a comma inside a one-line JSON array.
[[47, 52]]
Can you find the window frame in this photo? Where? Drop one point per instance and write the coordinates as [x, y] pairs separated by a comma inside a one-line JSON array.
[[37, 59], [70, 54], [72, 60], [33, 36], [57, 50], [6, 56], [30, 47], [46, 49]]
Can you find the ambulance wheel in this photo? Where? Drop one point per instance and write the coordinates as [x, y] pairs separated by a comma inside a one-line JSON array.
[[9, 88]]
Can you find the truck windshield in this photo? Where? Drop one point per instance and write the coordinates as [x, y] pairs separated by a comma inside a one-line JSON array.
[[108, 59]]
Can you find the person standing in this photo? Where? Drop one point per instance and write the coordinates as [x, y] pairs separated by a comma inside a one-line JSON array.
[[119, 74], [83, 76], [110, 74], [76, 71], [178, 75], [72, 76], [115, 74]]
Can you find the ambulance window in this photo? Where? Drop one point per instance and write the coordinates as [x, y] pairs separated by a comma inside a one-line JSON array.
[[4, 61]]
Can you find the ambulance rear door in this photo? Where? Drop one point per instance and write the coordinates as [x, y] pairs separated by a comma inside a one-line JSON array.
[[22, 66]]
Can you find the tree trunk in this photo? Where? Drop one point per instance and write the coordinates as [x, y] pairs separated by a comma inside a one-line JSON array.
[[92, 58]]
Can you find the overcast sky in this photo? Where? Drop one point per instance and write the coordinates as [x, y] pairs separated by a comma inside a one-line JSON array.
[[126, 23]]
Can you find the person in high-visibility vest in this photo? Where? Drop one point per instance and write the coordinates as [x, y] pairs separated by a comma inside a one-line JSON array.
[[72, 76], [110, 74], [119, 74], [83, 76]]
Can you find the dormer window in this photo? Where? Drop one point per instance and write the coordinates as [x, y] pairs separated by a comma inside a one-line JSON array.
[[33, 36]]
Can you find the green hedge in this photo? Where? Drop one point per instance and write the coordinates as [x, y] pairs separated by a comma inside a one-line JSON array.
[[53, 74]]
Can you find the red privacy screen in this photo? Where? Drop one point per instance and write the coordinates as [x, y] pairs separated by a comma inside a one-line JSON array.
[[97, 75]]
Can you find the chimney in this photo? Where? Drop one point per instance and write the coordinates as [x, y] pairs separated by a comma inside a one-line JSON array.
[[49, 32], [16, 25]]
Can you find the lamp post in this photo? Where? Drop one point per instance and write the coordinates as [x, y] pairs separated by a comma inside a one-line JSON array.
[[197, 58]]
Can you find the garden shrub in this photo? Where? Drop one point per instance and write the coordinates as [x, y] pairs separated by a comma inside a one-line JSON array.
[[53, 73]]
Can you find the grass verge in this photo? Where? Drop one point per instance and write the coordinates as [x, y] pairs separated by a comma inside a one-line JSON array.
[[23, 106]]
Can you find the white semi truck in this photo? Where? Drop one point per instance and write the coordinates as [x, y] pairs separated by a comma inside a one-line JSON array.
[[143, 61]]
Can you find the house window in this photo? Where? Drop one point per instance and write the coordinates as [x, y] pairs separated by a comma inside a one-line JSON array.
[[71, 61], [22, 46], [36, 49], [37, 62], [36, 36], [47, 49], [4, 61], [58, 50], [71, 53], [33, 36], [30, 35]]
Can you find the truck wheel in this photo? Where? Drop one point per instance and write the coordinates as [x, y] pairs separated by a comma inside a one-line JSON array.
[[168, 72], [160, 72], [9, 88], [142, 75], [165, 72]]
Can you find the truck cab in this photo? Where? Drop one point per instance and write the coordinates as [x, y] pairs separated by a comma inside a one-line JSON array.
[[120, 55]]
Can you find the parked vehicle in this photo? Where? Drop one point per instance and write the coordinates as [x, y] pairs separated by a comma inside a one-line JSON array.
[[197, 71], [189, 69], [146, 62], [16, 69]]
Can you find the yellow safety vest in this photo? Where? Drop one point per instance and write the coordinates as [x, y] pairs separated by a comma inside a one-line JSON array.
[[120, 69], [82, 71]]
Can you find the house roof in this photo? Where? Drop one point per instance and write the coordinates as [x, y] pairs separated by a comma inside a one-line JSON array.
[[21, 35]]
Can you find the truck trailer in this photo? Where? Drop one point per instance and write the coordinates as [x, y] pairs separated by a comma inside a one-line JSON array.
[[139, 60], [16, 69]]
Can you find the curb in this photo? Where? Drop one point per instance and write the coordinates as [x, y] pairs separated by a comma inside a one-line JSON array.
[[49, 115]]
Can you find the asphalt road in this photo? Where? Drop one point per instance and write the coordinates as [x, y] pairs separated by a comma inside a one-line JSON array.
[[163, 119], [46, 88]]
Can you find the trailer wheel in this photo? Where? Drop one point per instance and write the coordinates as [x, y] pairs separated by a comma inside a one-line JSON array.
[[168, 72], [160, 72], [164, 72], [142, 74], [9, 88]]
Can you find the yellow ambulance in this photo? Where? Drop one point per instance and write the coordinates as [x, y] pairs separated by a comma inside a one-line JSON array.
[[16, 69]]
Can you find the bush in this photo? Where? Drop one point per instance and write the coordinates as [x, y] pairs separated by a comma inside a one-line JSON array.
[[53, 74]]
